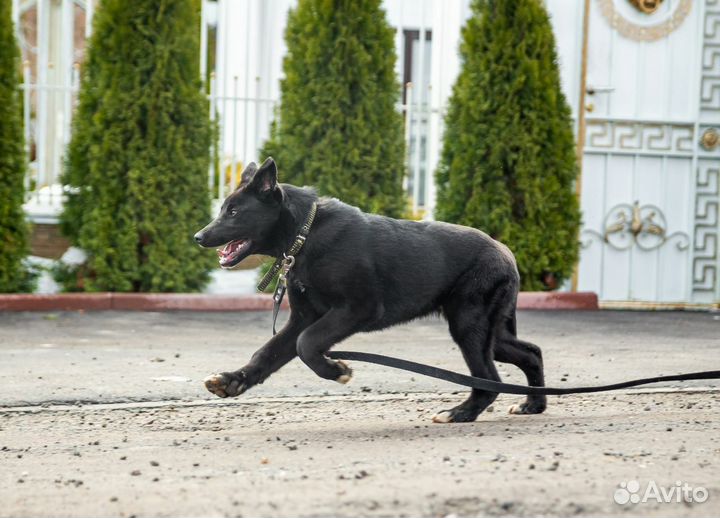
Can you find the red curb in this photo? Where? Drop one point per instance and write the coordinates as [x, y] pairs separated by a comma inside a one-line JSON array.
[[191, 302], [59, 302], [202, 302], [557, 300]]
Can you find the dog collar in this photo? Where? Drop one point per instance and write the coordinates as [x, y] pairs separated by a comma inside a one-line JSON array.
[[288, 258], [286, 262]]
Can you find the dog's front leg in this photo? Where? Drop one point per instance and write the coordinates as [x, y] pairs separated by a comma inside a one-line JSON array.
[[333, 327], [269, 358]]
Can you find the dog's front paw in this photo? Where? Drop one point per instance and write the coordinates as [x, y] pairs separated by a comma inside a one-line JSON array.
[[226, 384]]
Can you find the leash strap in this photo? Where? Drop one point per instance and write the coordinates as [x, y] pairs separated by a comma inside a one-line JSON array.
[[506, 388], [269, 276], [286, 262], [280, 290]]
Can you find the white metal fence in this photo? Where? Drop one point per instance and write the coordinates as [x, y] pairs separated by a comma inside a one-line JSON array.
[[246, 39], [240, 144], [235, 116], [52, 36], [46, 117]]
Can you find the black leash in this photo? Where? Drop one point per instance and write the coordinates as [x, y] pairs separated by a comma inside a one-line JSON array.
[[287, 261], [506, 388]]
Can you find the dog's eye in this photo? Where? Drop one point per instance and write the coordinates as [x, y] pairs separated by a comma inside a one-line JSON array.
[[233, 212]]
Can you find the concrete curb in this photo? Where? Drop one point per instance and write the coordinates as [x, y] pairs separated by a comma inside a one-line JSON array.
[[202, 302]]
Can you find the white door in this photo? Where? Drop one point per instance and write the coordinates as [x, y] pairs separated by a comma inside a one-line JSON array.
[[651, 167]]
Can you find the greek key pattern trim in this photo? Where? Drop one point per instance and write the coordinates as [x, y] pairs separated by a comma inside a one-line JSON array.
[[707, 221], [603, 135], [710, 80]]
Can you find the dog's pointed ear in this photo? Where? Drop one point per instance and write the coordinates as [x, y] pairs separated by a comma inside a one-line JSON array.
[[265, 179], [248, 174]]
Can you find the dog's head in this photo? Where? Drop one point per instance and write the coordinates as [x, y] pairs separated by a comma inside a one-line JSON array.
[[247, 216]]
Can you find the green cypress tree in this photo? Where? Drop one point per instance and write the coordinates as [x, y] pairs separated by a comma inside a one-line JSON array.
[[338, 128], [139, 155], [508, 161], [14, 276]]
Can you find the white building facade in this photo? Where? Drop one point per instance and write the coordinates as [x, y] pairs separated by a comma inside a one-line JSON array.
[[641, 76]]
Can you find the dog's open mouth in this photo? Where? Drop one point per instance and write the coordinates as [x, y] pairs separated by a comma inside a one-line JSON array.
[[234, 252]]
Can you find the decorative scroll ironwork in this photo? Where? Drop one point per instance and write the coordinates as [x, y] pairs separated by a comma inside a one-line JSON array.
[[644, 226], [639, 32]]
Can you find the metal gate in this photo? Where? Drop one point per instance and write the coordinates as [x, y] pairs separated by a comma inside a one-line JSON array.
[[51, 34], [650, 171]]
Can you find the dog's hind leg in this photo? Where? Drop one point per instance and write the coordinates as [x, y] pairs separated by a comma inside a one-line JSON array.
[[527, 357], [334, 326], [472, 327]]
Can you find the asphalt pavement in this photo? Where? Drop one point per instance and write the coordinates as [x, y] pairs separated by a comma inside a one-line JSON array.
[[105, 414]]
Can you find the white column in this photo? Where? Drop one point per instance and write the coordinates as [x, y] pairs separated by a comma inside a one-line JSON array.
[[16, 14], [420, 88], [203, 41], [89, 13], [449, 16], [42, 93], [65, 72]]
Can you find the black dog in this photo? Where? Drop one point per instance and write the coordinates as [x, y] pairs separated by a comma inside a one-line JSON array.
[[361, 272]]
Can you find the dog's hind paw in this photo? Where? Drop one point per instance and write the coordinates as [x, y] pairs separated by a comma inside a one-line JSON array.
[[528, 407], [515, 409], [226, 384], [460, 414], [347, 372], [442, 417]]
